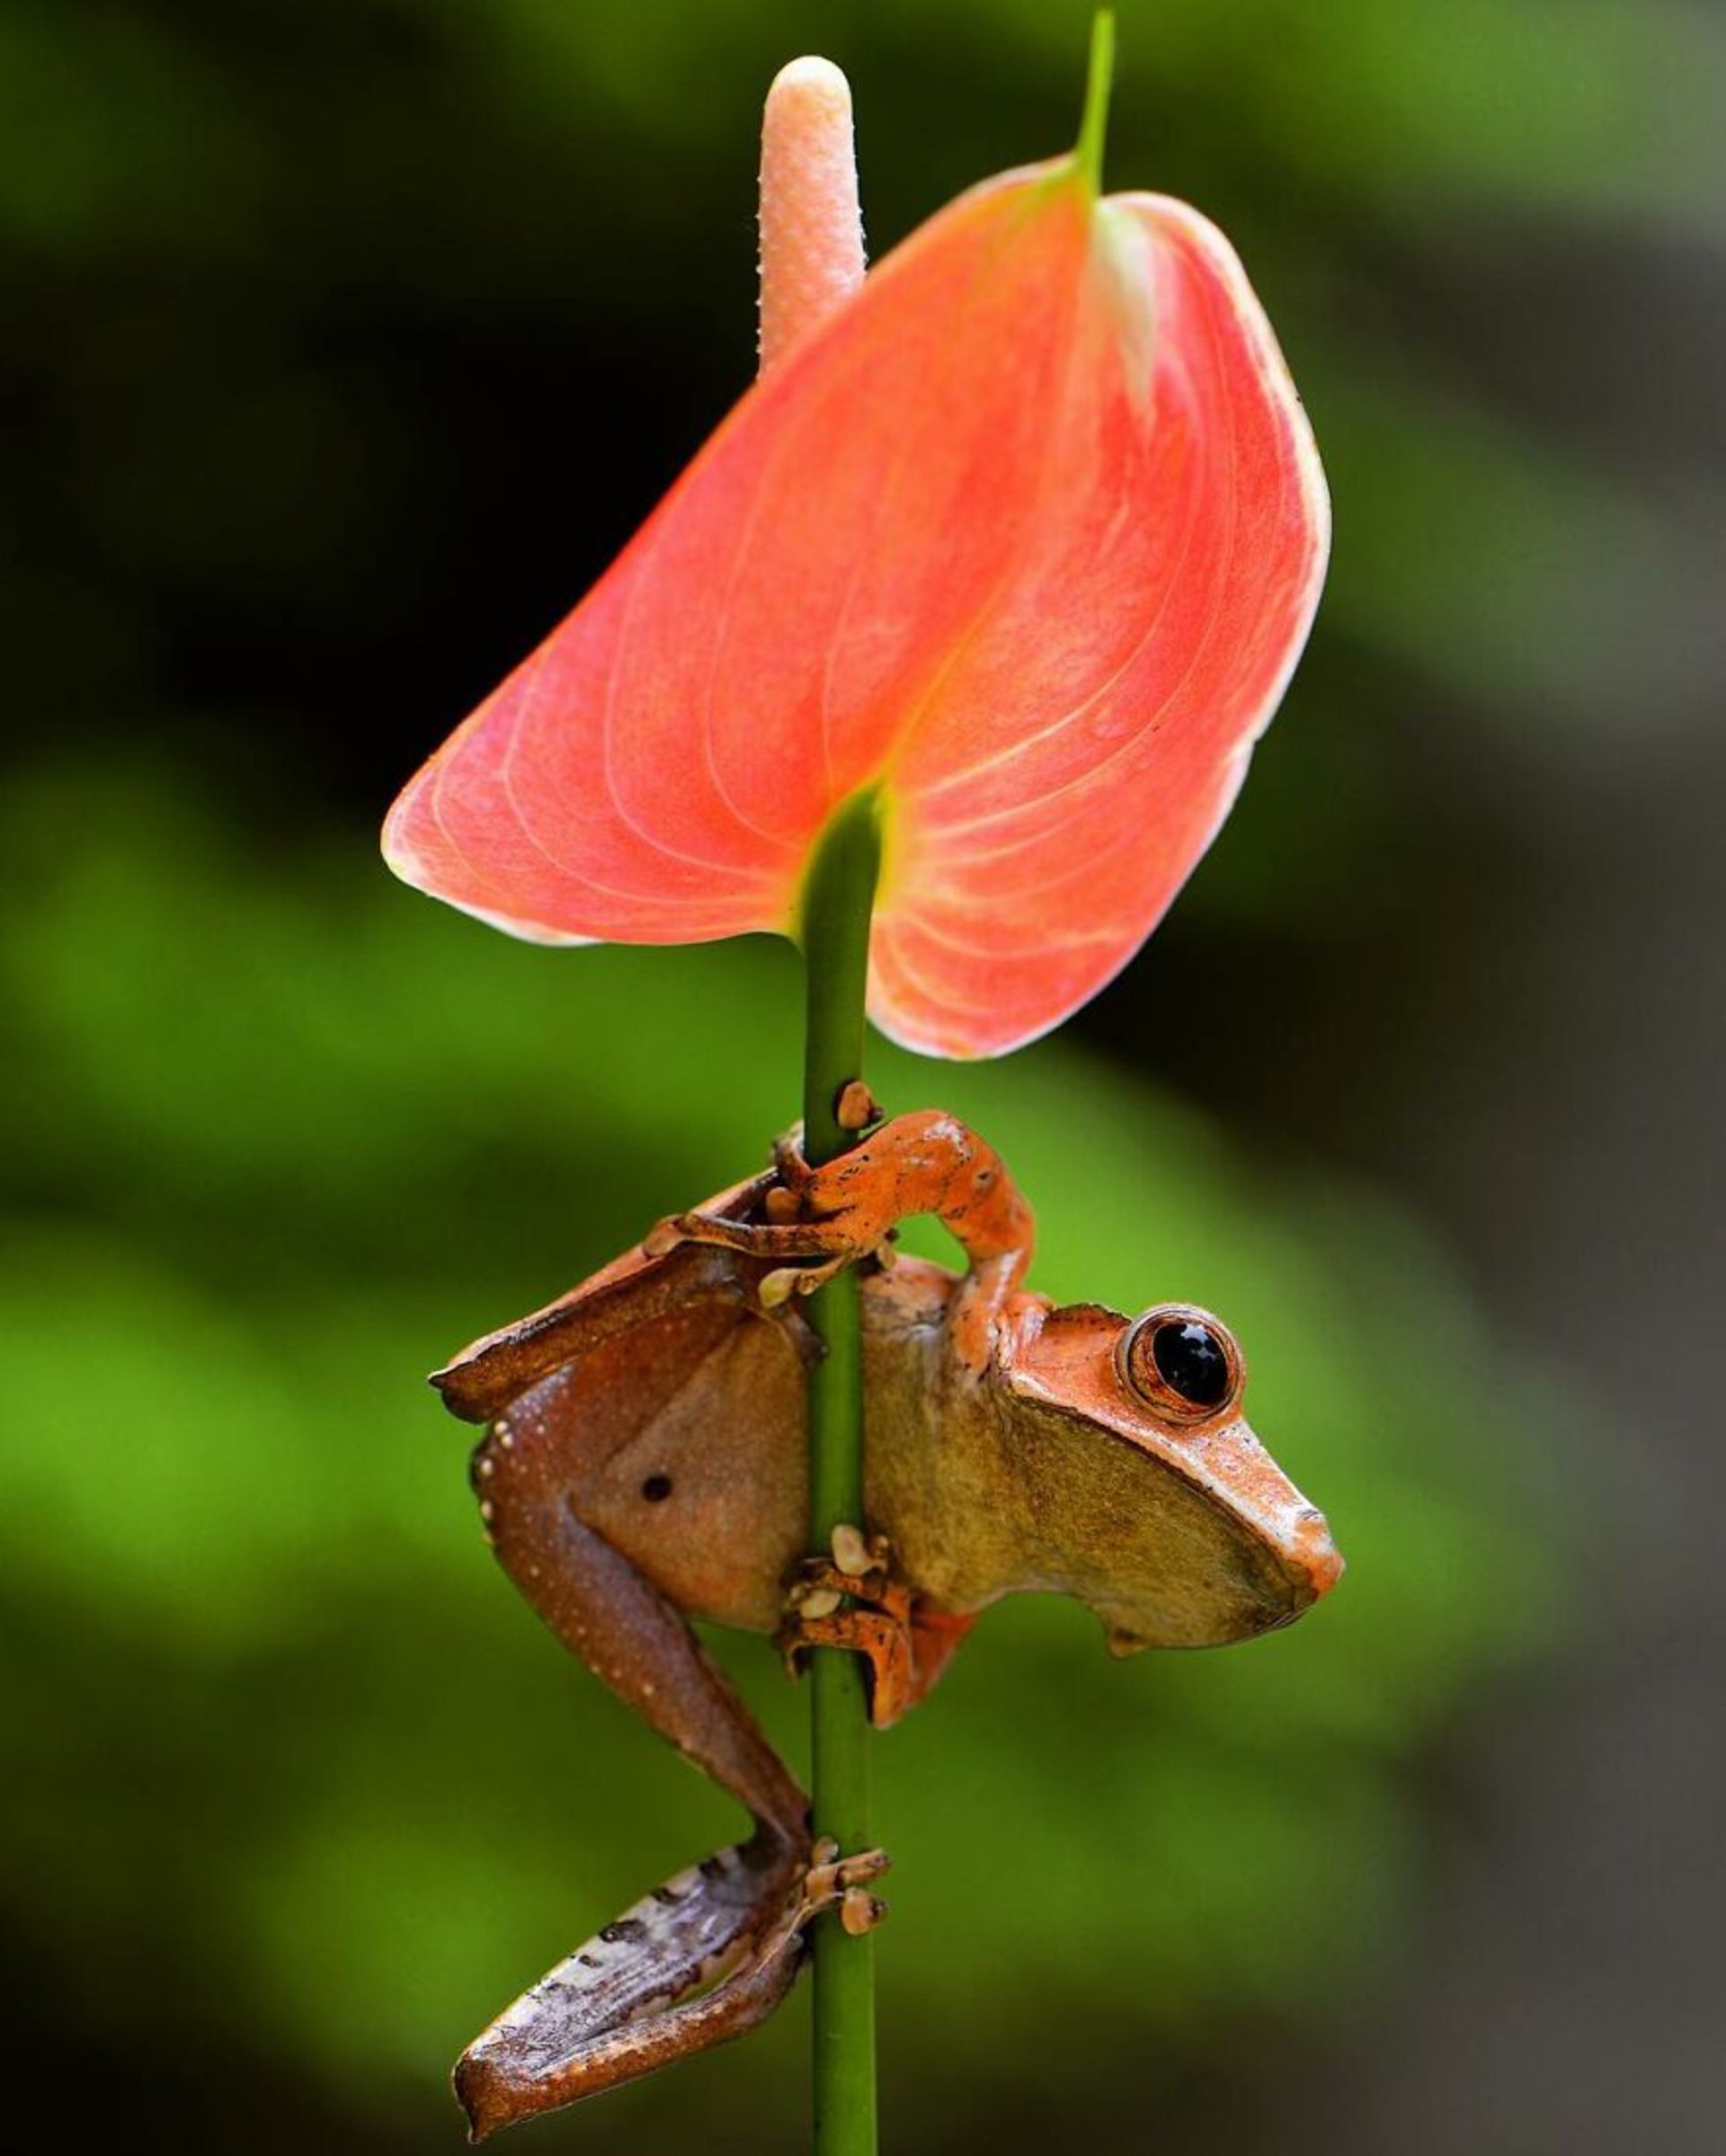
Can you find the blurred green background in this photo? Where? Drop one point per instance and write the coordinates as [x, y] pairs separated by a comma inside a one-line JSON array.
[[345, 344]]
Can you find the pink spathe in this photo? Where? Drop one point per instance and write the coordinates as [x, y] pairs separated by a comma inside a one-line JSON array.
[[1026, 532]]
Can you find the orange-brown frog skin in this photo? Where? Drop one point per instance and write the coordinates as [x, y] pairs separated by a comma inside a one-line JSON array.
[[646, 1461]]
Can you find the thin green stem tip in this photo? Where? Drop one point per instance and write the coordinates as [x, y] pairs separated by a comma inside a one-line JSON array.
[[1093, 128], [834, 929]]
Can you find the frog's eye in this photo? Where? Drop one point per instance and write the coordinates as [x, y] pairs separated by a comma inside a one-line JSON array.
[[1182, 1363]]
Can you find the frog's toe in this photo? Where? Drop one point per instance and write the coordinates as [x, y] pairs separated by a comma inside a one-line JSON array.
[[790, 1163], [777, 1288], [857, 1107], [843, 1883]]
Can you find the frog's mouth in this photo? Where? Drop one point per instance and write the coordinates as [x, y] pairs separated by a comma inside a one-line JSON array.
[[1281, 1586]]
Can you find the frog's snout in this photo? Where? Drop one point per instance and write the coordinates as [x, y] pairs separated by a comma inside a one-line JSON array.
[[1314, 1560]]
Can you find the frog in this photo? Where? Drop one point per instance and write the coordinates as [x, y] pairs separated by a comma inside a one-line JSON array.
[[644, 1464]]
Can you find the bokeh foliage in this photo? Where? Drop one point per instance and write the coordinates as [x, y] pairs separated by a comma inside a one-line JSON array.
[[294, 1134], [348, 340]]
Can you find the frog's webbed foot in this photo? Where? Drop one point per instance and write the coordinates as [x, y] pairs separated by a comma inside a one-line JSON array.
[[857, 1566], [844, 1882], [854, 1600], [632, 1999], [847, 1208], [819, 1219]]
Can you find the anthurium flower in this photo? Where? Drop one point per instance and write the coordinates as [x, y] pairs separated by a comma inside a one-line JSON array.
[[1028, 535]]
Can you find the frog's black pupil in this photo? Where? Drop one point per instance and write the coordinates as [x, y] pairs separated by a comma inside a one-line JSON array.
[[1191, 1362]]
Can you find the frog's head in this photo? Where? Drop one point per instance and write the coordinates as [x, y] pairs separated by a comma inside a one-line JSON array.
[[1147, 1494]]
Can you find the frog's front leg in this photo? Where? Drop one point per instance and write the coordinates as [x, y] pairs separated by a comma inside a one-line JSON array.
[[612, 2010], [855, 1601], [847, 1208]]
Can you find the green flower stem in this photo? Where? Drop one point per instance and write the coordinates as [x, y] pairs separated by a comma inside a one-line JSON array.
[[837, 900], [1099, 76]]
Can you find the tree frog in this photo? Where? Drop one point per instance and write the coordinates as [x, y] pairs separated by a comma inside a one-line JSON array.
[[645, 1462]]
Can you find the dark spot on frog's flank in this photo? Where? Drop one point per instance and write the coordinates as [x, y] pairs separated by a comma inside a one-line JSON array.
[[627, 1928], [713, 1867], [665, 1895], [656, 1488], [588, 1961]]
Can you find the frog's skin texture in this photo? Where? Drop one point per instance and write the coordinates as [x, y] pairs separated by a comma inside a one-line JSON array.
[[646, 1462]]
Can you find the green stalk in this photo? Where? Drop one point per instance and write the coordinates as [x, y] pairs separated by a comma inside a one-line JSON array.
[[837, 900], [1099, 77]]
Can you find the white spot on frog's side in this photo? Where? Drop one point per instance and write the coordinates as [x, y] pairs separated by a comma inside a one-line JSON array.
[[486, 1465], [504, 1434], [487, 1510]]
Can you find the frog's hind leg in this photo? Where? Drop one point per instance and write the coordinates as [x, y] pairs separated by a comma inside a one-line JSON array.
[[631, 1999], [622, 2005], [559, 2040]]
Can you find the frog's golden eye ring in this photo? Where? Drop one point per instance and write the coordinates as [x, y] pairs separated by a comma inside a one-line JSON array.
[[1182, 1363]]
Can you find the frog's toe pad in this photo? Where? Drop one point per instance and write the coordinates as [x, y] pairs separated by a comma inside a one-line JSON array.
[[859, 1567], [833, 1881], [859, 1910]]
